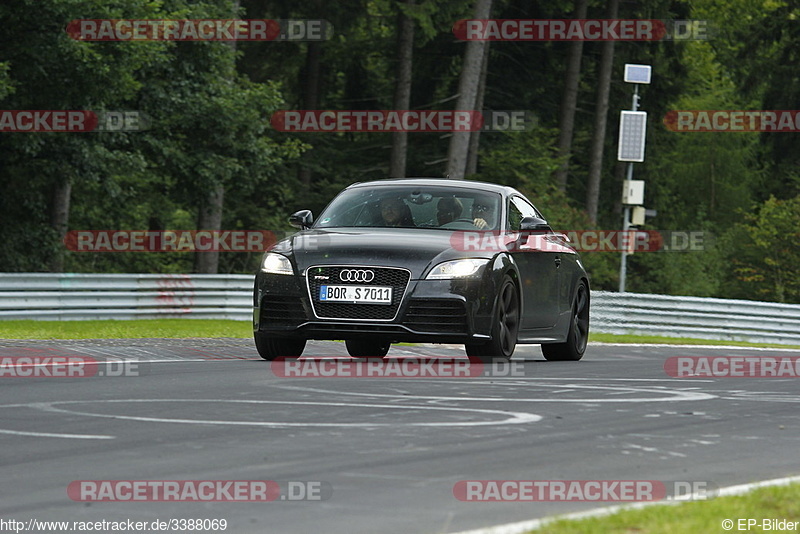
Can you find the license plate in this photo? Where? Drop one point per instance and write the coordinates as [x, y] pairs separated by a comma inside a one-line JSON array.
[[356, 294]]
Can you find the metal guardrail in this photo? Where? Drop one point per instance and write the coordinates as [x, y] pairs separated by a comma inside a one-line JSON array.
[[227, 296], [63, 296], [697, 317]]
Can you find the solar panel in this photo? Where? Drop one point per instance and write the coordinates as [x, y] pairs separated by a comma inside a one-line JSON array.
[[632, 126], [637, 73]]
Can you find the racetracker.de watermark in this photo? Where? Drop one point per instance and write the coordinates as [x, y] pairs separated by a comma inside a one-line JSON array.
[[580, 30], [402, 121], [630, 241], [733, 366], [72, 121], [421, 367], [37, 364], [200, 30], [777, 121], [198, 490], [169, 240], [582, 490]]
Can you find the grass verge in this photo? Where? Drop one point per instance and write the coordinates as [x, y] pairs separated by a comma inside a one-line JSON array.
[[776, 502], [186, 328], [624, 338], [142, 328]]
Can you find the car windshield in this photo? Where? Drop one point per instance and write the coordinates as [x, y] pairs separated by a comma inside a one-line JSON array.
[[446, 208]]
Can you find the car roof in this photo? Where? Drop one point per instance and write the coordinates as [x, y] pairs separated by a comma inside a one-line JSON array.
[[440, 182]]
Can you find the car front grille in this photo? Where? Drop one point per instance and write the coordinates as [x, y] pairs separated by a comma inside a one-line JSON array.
[[282, 311], [436, 315], [396, 278]]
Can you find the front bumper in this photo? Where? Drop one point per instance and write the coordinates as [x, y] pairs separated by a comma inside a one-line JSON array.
[[438, 311]]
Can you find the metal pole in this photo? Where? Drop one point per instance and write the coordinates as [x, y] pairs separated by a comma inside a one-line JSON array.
[[626, 224], [626, 219]]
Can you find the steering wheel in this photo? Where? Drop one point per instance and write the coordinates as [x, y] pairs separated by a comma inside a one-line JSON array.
[[458, 224]]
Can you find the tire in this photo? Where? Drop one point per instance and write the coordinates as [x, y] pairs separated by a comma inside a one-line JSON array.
[[271, 347], [367, 348], [575, 345], [505, 327]]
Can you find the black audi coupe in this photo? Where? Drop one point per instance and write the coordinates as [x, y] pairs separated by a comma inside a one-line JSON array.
[[423, 260]]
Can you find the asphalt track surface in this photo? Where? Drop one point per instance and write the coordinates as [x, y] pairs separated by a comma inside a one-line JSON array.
[[387, 451]]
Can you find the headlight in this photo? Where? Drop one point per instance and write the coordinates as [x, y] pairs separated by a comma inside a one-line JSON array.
[[276, 264], [456, 269]]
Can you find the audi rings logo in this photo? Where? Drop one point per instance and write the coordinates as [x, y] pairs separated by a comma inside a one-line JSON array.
[[356, 275]]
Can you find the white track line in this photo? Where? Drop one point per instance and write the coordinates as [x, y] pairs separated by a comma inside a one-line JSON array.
[[510, 417], [533, 524], [712, 347], [52, 435], [675, 395]]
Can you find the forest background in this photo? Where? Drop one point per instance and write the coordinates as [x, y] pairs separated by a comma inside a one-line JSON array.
[[210, 159]]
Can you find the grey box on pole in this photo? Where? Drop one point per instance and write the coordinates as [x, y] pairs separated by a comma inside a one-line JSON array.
[[633, 192]]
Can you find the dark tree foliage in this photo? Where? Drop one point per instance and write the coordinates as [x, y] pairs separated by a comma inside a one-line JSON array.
[[211, 107]]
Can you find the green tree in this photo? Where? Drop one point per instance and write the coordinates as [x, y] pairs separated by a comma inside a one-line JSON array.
[[209, 128], [697, 182], [45, 69], [767, 263]]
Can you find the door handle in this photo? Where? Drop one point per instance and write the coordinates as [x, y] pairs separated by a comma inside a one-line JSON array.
[[558, 262]]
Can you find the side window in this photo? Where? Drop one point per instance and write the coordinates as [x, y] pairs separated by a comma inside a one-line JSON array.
[[514, 217], [517, 210]]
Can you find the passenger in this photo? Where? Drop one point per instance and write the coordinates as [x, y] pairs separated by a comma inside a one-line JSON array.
[[396, 213], [448, 209]]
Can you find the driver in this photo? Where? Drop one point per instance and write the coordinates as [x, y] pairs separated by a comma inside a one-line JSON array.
[[448, 209], [483, 213]]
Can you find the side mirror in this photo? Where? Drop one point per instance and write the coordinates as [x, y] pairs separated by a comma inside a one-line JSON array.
[[535, 225], [301, 219]]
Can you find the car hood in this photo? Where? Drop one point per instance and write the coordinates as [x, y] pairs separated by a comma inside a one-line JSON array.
[[413, 249]]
